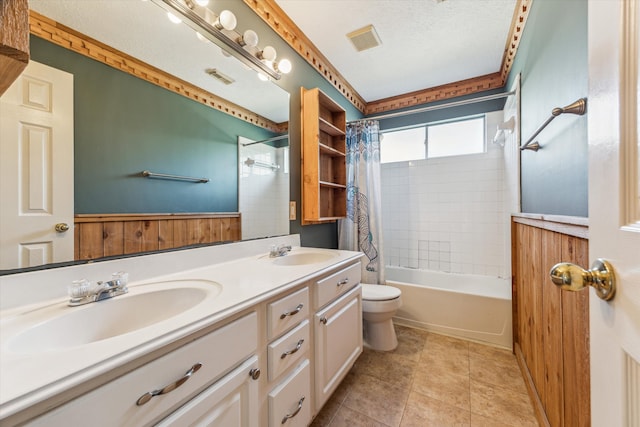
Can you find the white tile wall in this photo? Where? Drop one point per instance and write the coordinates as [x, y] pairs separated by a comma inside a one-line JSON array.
[[263, 192], [447, 214]]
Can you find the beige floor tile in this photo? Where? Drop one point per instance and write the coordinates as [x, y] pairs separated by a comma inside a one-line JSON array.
[[380, 400], [328, 412], [442, 384], [424, 411], [390, 367], [489, 352], [442, 358], [501, 373], [349, 418], [480, 421], [510, 407]]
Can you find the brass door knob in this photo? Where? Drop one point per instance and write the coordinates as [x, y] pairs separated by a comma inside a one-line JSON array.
[[571, 277], [61, 227]]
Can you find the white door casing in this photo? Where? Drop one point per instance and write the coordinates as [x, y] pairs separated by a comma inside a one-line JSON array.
[[614, 211], [36, 168]]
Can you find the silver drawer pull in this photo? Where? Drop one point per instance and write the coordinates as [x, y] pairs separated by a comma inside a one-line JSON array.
[[288, 352], [293, 312], [286, 417], [323, 320], [168, 389], [343, 282]]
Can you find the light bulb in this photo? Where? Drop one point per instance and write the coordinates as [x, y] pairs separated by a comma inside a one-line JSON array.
[[268, 53], [202, 2], [249, 38], [173, 18], [226, 20], [284, 66]]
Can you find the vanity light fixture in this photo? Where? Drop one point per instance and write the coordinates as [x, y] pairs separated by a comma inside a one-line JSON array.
[[221, 31]]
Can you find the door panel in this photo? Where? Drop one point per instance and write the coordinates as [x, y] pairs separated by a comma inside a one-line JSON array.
[[36, 168]]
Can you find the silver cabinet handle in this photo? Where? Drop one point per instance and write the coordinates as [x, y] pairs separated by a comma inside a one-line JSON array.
[[293, 312], [169, 388], [323, 320], [294, 413], [288, 352], [343, 282], [254, 373]]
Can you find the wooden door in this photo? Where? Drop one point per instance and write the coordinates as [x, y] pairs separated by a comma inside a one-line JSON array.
[[36, 168]]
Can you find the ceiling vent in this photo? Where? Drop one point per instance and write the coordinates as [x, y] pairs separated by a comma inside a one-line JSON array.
[[364, 38], [213, 72]]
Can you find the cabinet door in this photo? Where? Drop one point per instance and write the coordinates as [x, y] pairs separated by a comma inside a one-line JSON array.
[[338, 342], [230, 402]]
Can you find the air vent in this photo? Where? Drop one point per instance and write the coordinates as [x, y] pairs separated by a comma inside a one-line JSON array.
[[213, 72], [364, 38]]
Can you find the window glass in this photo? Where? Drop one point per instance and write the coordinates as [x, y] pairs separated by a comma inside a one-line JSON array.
[[456, 138], [403, 145]]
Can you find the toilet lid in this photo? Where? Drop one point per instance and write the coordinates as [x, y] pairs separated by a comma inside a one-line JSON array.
[[379, 292]]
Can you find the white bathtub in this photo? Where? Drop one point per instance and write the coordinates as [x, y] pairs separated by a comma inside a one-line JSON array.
[[473, 307]]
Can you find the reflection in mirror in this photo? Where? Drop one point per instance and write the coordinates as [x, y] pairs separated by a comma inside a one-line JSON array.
[[264, 186], [123, 125]]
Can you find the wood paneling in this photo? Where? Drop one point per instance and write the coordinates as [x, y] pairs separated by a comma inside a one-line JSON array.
[[98, 236], [552, 326]]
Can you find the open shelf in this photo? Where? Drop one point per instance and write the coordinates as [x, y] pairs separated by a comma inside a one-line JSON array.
[[324, 186]]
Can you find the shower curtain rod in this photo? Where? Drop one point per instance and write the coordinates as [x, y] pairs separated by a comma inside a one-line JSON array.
[[438, 107], [275, 138]]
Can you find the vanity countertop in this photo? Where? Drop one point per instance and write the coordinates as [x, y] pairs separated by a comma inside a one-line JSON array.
[[29, 378]]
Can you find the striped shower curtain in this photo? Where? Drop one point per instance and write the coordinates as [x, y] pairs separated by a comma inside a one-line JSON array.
[[362, 229]]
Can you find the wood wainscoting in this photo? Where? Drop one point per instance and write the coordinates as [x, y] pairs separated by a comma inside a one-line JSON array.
[[103, 235], [551, 326]]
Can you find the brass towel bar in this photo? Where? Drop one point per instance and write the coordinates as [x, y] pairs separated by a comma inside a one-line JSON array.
[[579, 107]]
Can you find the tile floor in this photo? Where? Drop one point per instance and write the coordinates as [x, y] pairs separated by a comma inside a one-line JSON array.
[[430, 380]]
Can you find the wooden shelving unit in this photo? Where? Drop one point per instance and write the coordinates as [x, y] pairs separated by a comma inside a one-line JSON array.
[[324, 174]]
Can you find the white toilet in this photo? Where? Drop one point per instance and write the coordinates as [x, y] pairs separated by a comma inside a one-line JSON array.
[[379, 304]]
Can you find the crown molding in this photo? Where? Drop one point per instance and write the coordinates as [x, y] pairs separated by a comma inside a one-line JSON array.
[[280, 22], [54, 32]]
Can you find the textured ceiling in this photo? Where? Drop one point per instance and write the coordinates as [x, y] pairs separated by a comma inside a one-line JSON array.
[[425, 43]]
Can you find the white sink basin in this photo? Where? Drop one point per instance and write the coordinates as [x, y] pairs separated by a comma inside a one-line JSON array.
[[143, 306], [301, 258]]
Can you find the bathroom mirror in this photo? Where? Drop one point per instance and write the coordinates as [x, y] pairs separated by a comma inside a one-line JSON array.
[[141, 29]]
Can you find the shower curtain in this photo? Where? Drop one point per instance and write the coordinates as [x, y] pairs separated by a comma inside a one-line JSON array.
[[362, 229]]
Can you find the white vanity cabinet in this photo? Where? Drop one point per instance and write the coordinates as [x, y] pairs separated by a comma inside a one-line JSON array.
[[231, 401], [288, 360], [134, 399], [337, 330]]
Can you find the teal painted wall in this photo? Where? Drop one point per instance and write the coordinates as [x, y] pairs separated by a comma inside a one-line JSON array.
[[124, 125], [552, 60]]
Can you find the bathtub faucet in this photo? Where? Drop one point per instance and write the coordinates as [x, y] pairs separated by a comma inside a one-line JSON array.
[[278, 251]]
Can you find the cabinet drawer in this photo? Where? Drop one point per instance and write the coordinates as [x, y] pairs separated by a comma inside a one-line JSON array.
[[290, 402], [331, 287], [286, 351], [114, 404], [287, 312], [231, 401]]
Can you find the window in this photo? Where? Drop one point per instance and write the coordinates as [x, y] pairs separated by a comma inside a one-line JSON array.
[[465, 136]]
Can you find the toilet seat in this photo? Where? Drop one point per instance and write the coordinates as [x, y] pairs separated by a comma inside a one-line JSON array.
[[379, 292]]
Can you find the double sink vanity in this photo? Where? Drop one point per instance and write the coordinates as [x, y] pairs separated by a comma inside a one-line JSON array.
[[224, 335]]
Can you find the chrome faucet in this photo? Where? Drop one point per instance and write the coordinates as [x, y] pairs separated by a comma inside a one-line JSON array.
[[278, 251], [81, 292]]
